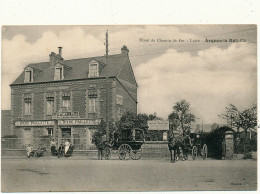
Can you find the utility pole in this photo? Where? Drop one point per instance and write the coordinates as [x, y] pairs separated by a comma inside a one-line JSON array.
[[107, 96]]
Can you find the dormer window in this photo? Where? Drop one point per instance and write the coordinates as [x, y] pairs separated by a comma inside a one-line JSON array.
[[58, 73], [93, 70], [28, 75]]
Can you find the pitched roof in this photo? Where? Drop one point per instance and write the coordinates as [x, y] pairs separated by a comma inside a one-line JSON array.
[[79, 68]]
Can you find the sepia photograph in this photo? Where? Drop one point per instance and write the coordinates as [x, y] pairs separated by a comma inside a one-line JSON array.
[[129, 108]]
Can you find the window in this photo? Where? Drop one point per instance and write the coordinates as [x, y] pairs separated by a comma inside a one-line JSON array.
[[66, 102], [93, 105], [58, 73], [119, 99], [50, 131], [50, 105], [93, 70], [27, 105], [119, 112], [92, 94], [28, 76]]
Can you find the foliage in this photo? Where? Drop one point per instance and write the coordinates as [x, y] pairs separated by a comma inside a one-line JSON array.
[[246, 119], [131, 120], [181, 116], [214, 140], [154, 135], [214, 126], [248, 155], [101, 132]]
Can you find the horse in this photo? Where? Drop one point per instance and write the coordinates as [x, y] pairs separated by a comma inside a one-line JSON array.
[[174, 144]]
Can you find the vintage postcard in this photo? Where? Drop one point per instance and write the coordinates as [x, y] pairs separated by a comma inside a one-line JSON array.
[[129, 108]]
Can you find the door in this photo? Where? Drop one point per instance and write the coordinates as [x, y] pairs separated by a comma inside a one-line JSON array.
[[65, 134]]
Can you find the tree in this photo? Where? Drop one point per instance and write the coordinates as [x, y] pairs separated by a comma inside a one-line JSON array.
[[214, 126], [130, 120], [101, 131], [198, 128], [181, 116], [245, 119]]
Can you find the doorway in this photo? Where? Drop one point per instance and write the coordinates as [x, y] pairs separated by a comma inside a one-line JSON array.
[[65, 134]]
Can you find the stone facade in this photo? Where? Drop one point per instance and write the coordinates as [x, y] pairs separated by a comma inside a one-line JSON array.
[[77, 121]]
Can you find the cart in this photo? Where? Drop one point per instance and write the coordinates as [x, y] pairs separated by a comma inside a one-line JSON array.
[[194, 145], [127, 142]]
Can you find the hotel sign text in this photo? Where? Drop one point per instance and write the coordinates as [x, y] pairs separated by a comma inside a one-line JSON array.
[[79, 122], [33, 123], [65, 115]]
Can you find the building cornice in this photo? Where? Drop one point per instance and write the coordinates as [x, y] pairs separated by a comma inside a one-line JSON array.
[[58, 81]]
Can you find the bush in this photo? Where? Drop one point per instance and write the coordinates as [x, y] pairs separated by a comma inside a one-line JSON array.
[[248, 156]]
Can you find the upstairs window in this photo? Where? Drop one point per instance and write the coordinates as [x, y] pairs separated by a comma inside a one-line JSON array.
[[27, 105], [93, 70], [28, 76], [92, 105], [119, 99], [50, 105], [58, 73], [66, 102], [92, 94]]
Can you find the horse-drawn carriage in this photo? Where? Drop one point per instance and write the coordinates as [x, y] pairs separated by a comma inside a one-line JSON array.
[[190, 144], [193, 143], [127, 142]]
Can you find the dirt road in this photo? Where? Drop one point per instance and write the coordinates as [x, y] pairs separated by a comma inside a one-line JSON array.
[[115, 175]]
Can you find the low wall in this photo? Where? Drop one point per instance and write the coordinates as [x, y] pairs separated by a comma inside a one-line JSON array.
[[150, 150]]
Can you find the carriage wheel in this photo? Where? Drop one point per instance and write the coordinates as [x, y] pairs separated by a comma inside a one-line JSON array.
[[124, 152], [205, 151], [136, 154], [107, 153], [194, 152]]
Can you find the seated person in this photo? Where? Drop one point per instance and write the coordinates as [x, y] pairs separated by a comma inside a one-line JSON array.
[[61, 150], [70, 151], [54, 151], [40, 151], [30, 151]]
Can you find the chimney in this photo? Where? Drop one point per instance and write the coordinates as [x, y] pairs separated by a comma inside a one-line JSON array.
[[54, 58], [60, 51], [124, 50]]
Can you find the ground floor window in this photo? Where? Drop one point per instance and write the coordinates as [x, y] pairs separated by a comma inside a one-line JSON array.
[[50, 131], [66, 133]]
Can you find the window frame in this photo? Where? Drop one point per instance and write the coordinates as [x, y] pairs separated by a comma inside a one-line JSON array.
[[66, 99], [93, 72], [48, 112], [27, 106], [93, 104], [119, 99], [58, 75]]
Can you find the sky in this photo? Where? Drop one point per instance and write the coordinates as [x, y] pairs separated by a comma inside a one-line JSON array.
[[182, 62]]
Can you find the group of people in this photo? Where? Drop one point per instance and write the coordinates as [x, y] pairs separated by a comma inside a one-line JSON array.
[[65, 150], [37, 153]]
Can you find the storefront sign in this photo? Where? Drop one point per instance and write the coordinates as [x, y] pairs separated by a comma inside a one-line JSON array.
[[65, 115], [158, 125], [33, 123], [79, 122]]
